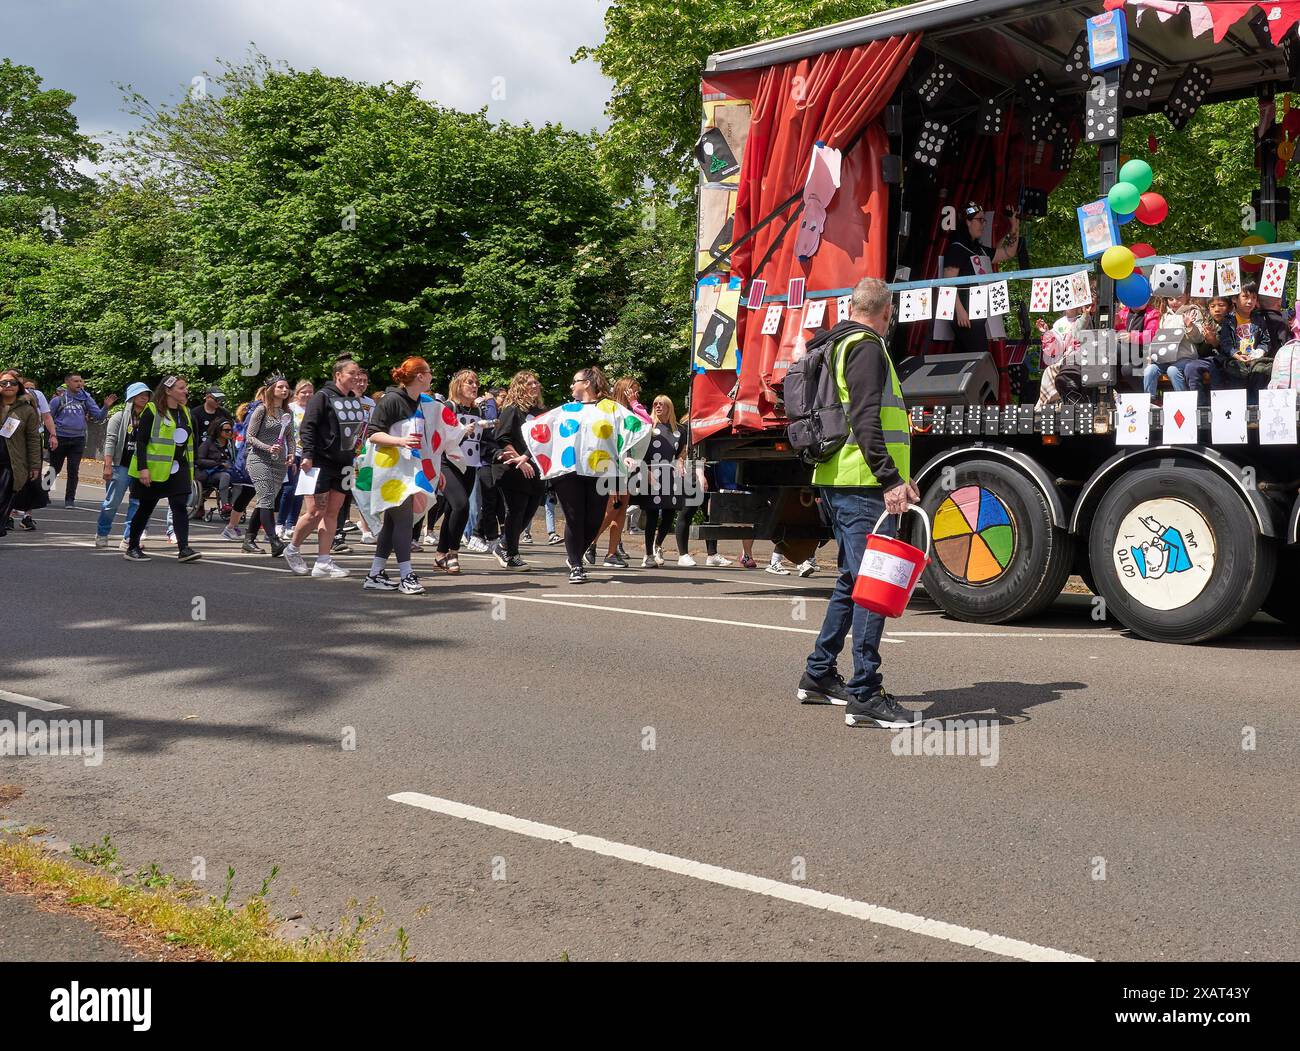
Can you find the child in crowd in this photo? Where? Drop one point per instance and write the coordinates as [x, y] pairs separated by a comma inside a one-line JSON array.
[[1196, 370], [1248, 337], [1176, 313]]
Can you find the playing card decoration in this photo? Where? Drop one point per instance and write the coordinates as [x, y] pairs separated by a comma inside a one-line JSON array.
[[714, 156], [1179, 411], [1277, 417], [1061, 296], [794, 293], [842, 308], [819, 189], [1229, 276], [914, 305], [1228, 417], [1133, 419], [1168, 279], [979, 302], [1202, 278], [1040, 298], [1272, 281], [815, 313], [1080, 289], [999, 299], [592, 440], [772, 320], [756, 292], [945, 307], [387, 476]]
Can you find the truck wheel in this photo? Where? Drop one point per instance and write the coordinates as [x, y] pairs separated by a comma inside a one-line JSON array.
[[1283, 599], [997, 557], [1177, 555]]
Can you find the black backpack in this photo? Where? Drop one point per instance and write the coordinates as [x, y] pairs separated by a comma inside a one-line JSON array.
[[819, 426]]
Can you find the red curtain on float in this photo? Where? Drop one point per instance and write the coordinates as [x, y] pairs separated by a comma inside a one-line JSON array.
[[828, 99]]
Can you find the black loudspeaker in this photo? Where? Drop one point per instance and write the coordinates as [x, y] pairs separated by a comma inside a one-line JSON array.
[[949, 379], [894, 121], [891, 169]]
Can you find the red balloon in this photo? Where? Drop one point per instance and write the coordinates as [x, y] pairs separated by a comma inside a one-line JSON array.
[[1152, 209], [1141, 250]]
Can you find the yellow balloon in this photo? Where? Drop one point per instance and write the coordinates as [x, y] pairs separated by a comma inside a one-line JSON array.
[[1117, 262], [1253, 239]]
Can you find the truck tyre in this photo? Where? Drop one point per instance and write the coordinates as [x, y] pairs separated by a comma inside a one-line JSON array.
[[1177, 555], [997, 557], [1283, 601]]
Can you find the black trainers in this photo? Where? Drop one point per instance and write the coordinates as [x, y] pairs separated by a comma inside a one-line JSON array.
[[516, 563], [577, 575], [27, 522], [829, 689], [880, 708], [188, 554], [134, 554], [340, 547], [591, 555]]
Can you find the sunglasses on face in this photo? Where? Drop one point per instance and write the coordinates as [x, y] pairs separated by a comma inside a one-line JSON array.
[[8, 383]]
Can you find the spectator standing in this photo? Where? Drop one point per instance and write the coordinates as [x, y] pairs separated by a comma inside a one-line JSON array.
[[69, 411], [119, 448]]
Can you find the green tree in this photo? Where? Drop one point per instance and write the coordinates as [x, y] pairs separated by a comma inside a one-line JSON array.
[[40, 145]]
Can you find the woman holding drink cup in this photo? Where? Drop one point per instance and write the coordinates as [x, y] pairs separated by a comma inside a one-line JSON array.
[[270, 437]]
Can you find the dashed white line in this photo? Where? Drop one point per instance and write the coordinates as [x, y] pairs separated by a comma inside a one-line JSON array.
[[858, 910], [31, 702]]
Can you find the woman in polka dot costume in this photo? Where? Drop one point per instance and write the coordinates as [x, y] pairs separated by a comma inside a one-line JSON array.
[[627, 393], [661, 495], [397, 424]]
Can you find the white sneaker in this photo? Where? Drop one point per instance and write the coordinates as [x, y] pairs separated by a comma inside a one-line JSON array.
[[171, 539], [478, 545], [777, 567], [328, 568], [283, 532], [122, 545], [659, 557], [230, 533], [379, 582], [808, 567], [144, 536], [411, 585], [717, 560], [294, 560], [101, 541], [648, 563], [416, 547], [427, 541], [686, 560]]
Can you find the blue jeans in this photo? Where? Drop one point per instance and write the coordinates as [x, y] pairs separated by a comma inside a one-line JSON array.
[[473, 508], [1195, 368], [550, 502], [1151, 377], [290, 505], [853, 512], [118, 487]]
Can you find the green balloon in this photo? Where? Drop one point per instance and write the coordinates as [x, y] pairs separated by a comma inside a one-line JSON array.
[[1123, 198], [1266, 230], [1137, 173]]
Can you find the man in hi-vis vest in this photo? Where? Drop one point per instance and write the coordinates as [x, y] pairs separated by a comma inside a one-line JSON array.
[[869, 475]]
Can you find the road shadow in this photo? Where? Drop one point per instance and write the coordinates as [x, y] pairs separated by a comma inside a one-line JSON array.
[[1008, 702]]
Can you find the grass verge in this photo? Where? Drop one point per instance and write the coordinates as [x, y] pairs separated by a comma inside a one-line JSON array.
[[170, 917]]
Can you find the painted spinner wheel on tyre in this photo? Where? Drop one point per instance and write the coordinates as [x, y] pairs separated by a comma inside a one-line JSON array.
[[997, 557], [1177, 554]]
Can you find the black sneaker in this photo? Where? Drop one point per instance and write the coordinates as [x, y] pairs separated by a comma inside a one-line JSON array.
[[829, 689], [341, 547], [188, 554], [350, 527], [69, 503], [27, 522], [134, 554], [591, 555], [577, 575], [880, 708], [498, 551], [516, 563]]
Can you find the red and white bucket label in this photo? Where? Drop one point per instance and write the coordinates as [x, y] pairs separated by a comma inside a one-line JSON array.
[[880, 565]]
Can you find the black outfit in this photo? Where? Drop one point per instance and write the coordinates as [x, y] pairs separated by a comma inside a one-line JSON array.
[[175, 489], [7, 488], [664, 497], [961, 253], [458, 483], [522, 495], [70, 451], [203, 419], [331, 425]]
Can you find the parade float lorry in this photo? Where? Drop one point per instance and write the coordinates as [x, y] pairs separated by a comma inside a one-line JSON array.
[[848, 151]]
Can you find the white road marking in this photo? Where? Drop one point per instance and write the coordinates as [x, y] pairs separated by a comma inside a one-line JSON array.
[[680, 596], [665, 616], [1096, 633], [31, 702], [816, 899]]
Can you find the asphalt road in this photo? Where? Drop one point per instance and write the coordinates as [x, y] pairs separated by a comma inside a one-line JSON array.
[[539, 702]]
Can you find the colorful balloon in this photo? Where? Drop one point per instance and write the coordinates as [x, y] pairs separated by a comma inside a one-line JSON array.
[[1134, 291], [1123, 220], [1142, 250], [1137, 173], [1117, 262], [1252, 263], [1152, 209], [1267, 231], [1123, 198]]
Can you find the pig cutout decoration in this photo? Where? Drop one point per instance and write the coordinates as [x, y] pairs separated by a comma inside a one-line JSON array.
[[818, 191], [1168, 279]]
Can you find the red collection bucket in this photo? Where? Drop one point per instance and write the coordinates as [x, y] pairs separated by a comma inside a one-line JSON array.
[[890, 570]]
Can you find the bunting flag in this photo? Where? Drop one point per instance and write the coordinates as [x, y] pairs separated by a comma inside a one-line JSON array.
[[387, 475], [1217, 16], [592, 439]]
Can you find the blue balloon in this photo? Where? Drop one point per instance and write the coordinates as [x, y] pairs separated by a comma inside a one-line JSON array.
[[1123, 220], [1134, 291]]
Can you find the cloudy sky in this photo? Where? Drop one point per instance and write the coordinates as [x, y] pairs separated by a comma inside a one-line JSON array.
[[455, 48]]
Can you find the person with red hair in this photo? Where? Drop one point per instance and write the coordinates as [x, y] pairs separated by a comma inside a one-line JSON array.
[[398, 421]]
